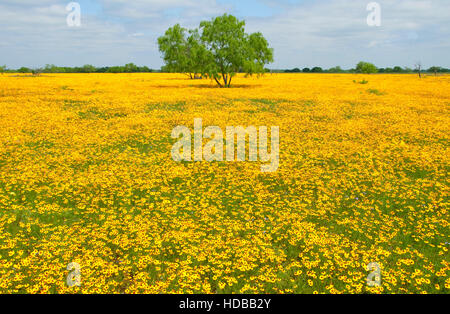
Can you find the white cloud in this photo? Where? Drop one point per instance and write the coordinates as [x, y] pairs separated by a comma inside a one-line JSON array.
[[307, 33], [140, 9], [335, 32]]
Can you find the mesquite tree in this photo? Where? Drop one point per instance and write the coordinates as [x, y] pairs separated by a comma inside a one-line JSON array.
[[219, 49]]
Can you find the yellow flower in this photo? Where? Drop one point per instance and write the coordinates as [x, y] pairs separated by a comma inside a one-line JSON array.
[[86, 176]]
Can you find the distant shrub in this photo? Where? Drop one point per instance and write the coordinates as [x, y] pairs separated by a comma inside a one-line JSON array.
[[24, 70], [336, 69], [366, 68], [295, 70], [375, 91]]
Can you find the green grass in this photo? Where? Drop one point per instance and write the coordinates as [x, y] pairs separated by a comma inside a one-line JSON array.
[[375, 92]]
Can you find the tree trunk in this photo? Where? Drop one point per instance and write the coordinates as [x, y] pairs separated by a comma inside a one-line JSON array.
[[229, 82], [218, 82]]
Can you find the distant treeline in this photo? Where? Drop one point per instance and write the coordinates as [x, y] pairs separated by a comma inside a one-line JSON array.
[[50, 68], [132, 68], [338, 69]]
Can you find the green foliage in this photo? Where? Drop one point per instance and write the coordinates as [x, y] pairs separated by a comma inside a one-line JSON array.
[[2, 69], [295, 70], [219, 49], [87, 68], [435, 70], [231, 50], [198, 57], [183, 52], [51, 68], [127, 68], [317, 70], [336, 69], [366, 68], [408, 70], [131, 68], [375, 92], [396, 69], [36, 72], [173, 46], [24, 70]]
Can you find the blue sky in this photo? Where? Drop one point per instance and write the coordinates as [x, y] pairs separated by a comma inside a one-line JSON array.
[[254, 8], [241, 8], [304, 33]]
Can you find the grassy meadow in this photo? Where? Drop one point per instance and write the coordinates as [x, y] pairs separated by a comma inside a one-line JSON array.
[[86, 176]]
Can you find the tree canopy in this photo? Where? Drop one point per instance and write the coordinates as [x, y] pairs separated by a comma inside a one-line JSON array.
[[219, 49], [435, 70], [366, 68], [336, 69]]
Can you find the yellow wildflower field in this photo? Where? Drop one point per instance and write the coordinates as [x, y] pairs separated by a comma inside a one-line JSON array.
[[87, 177]]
